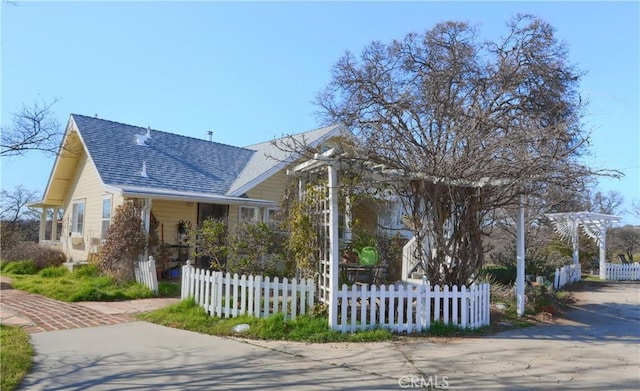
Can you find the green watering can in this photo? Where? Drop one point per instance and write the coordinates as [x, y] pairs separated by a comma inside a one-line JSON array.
[[368, 256]]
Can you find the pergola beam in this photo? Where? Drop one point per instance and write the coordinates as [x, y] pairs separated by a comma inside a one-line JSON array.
[[593, 224]]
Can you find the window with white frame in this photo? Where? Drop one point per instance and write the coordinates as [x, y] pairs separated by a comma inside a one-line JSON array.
[[77, 217], [106, 215], [271, 214], [249, 213]]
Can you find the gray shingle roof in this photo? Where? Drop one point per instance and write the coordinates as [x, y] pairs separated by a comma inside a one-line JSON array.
[[269, 158], [173, 161]]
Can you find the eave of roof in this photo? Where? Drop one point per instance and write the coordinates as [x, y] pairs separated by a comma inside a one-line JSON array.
[[173, 195], [270, 159]]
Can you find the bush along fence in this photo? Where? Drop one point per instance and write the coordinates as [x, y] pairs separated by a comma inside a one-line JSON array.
[[567, 275], [622, 272], [146, 274], [410, 308], [226, 295]]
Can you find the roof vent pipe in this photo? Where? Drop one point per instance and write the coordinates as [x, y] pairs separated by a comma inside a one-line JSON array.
[[210, 134], [143, 173]]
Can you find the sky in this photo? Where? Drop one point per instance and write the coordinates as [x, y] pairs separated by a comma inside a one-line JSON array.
[[249, 71]]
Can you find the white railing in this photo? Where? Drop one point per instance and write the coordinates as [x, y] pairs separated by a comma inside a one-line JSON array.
[[146, 274], [567, 275], [622, 272], [409, 260], [226, 295], [410, 308]]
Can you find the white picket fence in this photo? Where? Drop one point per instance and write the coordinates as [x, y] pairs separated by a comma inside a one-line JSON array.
[[411, 307], [226, 295], [567, 275], [622, 272], [146, 274]]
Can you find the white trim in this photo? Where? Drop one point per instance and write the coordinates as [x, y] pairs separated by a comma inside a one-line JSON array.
[[256, 214], [75, 221], [103, 232], [175, 195], [266, 218]]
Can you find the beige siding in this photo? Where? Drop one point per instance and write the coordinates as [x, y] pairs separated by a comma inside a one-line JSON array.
[[271, 189], [85, 185], [169, 214]]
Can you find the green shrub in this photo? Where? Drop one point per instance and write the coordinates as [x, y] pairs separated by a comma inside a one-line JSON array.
[[87, 271], [19, 267], [126, 241], [501, 274], [169, 289], [41, 256], [52, 272]]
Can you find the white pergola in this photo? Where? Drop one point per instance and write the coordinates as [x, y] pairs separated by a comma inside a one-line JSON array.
[[329, 261], [594, 225]]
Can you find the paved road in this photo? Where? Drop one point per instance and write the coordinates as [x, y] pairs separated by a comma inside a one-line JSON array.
[[597, 348]]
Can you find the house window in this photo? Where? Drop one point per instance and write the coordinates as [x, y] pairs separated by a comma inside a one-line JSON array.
[[248, 213], [77, 219], [271, 214], [106, 215]]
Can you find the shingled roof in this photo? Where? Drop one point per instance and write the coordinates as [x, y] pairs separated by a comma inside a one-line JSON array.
[[126, 158], [171, 161], [273, 156]]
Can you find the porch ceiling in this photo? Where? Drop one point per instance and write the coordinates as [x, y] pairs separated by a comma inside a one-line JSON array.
[[63, 170]]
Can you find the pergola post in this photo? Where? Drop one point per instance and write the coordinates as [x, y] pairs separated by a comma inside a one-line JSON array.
[[333, 245], [603, 252], [520, 272], [575, 240]]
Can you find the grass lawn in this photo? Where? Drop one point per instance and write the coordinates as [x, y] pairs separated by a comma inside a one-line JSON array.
[[188, 315], [84, 284], [15, 356]]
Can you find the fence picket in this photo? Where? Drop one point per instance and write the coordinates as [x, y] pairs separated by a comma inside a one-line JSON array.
[[402, 308], [343, 308], [364, 303], [622, 272]]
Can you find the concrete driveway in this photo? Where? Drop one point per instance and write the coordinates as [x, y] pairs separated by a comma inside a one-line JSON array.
[[596, 348]]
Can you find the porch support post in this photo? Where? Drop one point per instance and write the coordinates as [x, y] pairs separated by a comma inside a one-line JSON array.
[[54, 224], [333, 246], [43, 224], [146, 221], [520, 259]]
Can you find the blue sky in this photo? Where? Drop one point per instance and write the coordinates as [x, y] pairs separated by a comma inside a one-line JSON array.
[[249, 71]]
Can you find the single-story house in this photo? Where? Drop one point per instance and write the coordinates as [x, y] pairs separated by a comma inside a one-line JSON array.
[[102, 163]]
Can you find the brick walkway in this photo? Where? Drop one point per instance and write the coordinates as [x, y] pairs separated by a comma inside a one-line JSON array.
[[37, 313], [44, 314]]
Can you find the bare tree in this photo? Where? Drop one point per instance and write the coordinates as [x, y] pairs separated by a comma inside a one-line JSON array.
[[625, 240], [469, 126], [33, 127], [13, 205], [17, 221], [635, 208]]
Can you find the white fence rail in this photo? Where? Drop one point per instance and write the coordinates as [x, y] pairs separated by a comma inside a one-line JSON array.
[[622, 272], [146, 274], [567, 275], [410, 308], [226, 295]]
